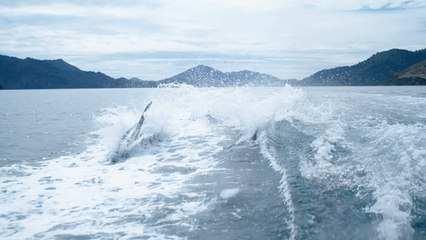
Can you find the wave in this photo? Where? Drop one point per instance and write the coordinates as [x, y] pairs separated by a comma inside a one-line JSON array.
[[284, 185], [380, 162], [346, 170]]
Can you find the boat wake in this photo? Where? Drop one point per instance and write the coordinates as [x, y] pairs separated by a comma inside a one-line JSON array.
[[272, 163]]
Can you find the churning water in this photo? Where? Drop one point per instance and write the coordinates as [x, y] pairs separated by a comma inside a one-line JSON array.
[[235, 163]]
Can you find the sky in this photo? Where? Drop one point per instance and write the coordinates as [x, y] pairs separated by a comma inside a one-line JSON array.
[[155, 39]]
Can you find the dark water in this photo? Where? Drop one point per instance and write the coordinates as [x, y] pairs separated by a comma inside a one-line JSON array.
[[244, 163]]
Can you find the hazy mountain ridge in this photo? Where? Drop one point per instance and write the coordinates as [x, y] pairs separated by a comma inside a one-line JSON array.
[[136, 83], [205, 76], [392, 67], [373, 71], [31, 73]]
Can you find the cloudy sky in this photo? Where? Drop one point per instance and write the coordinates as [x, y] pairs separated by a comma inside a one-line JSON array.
[[154, 39]]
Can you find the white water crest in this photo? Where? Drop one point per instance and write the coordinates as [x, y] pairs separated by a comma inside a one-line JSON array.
[[337, 140], [84, 194]]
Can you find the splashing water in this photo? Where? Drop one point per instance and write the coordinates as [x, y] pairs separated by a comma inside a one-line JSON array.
[[324, 164]]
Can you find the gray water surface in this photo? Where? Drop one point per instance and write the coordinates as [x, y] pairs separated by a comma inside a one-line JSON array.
[[235, 163]]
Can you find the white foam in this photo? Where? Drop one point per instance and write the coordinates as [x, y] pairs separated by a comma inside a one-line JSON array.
[[395, 159], [229, 193], [326, 143], [81, 194], [390, 158]]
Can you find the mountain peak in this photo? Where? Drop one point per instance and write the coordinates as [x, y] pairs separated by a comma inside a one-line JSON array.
[[205, 76], [202, 68]]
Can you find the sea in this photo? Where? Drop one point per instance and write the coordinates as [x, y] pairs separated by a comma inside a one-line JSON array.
[[215, 163]]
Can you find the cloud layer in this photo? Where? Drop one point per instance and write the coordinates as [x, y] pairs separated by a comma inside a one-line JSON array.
[[153, 39]]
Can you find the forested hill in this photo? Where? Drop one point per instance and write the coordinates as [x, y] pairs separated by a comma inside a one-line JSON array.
[[414, 75], [374, 71], [28, 73]]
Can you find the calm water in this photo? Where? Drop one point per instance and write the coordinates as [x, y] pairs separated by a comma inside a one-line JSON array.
[[243, 163]]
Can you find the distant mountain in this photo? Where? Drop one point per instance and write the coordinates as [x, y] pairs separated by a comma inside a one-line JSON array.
[[373, 71], [392, 67], [414, 75], [31, 73], [205, 76], [136, 83]]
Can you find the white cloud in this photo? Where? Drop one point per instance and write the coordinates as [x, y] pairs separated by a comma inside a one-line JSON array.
[[329, 32]]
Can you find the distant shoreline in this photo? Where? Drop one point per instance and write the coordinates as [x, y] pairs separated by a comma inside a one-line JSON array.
[[395, 67]]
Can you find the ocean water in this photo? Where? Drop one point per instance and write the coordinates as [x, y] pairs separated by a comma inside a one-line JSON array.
[[228, 163]]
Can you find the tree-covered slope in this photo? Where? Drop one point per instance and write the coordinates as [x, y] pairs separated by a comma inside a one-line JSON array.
[[31, 73], [414, 75], [373, 71]]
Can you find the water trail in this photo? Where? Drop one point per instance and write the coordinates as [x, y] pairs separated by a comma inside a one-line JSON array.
[[379, 153], [141, 197], [360, 156], [284, 186], [149, 195], [134, 136], [393, 169]]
